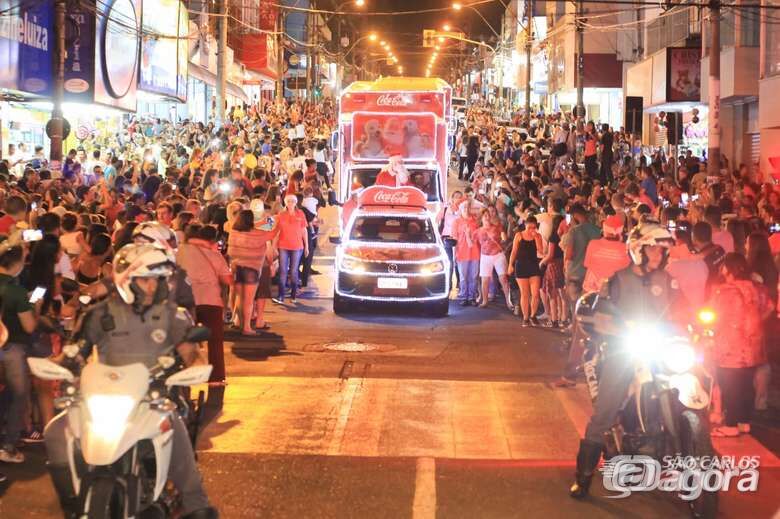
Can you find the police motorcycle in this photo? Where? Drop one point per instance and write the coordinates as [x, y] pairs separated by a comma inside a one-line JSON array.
[[666, 410], [119, 433]]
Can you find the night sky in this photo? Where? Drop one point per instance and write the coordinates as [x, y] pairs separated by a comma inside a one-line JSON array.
[[404, 33]]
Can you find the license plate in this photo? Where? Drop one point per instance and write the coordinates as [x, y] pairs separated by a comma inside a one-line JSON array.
[[392, 283]]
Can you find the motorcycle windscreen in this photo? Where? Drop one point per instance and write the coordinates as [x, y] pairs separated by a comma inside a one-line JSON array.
[[374, 136], [111, 395]]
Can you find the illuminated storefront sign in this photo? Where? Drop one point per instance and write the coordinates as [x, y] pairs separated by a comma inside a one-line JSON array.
[[26, 38]]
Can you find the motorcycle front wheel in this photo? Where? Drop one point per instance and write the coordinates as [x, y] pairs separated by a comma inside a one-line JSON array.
[[105, 500], [695, 441]]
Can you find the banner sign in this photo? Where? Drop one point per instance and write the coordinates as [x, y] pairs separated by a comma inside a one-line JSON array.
[[26, 42], [392, 196], [80, 49], [683, 78], [116, 53], [165, 25], [382, 135]]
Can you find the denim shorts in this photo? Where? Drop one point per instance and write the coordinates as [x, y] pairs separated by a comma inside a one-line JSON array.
[[246, 275]]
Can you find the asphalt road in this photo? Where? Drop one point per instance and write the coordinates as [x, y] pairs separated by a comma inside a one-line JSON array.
[[420, 417]]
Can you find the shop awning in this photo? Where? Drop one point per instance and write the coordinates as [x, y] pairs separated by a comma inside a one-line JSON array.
[[209, 78]]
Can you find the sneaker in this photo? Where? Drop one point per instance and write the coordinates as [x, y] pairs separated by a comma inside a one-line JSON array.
[[315, 272], [293, 299], [278, 301], [465, 302], [517, 310], [744, 428], [725, 431], [228, 317], [11, 455], [526, 323], [33, 437]]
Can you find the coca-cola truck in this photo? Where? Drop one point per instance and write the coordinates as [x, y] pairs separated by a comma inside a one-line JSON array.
[[390, 251], [404, 116]]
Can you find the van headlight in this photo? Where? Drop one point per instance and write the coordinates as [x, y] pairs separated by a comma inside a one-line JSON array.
[[431, 268], [352, 265]]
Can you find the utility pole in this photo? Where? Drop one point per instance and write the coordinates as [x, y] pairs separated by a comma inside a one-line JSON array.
[[222, 20], [580, 108], [713, 136], [57, 121], [280, 55], [499, 61], [309, 54], [528, 43]]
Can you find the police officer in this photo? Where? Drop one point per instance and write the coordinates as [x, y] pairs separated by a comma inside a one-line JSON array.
[[137, 323], [643, 291]]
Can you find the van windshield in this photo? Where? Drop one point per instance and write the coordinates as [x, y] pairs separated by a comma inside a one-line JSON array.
[[392, 229]]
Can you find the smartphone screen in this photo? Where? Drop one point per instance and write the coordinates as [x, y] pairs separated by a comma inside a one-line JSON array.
[[32, 235], [37, 294]]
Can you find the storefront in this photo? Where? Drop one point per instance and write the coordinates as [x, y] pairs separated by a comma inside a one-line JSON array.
[[25, 71], [669, 85]]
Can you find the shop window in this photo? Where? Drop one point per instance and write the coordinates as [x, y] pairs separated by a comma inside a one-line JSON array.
[[772, 49]]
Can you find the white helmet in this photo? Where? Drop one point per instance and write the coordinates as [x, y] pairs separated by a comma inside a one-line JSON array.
[[157, 233], [647, 233], [142, 260]]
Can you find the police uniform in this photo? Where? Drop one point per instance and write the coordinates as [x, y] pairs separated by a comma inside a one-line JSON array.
[[123, 337], [628, 297]]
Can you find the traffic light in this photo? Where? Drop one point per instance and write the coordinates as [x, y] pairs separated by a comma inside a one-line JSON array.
[[429, 37], [317, 91]]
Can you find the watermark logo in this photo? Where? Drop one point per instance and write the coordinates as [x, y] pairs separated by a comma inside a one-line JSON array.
[[688, 476]]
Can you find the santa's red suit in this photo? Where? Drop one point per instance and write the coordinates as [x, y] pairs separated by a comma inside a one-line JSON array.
[[385, 178]]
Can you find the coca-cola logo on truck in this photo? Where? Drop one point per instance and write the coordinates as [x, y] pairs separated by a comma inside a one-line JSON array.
[[392, 196], [393, 100]]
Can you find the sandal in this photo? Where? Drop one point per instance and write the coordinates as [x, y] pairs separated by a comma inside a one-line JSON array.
[[724, 431], [266, 326]]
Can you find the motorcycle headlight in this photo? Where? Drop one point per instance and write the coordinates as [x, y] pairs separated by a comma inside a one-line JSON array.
[[432, 268], [352, 265], [679, 356], [643, 341], [108, 415]]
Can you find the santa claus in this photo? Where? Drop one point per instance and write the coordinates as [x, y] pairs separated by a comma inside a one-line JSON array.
[[394, 174]]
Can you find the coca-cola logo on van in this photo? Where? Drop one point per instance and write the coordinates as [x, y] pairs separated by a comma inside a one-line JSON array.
[[393, 100], [391, 198]]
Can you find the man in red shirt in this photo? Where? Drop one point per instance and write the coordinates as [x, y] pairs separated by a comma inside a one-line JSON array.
[[466, 253], [15, 212], [292, 241]]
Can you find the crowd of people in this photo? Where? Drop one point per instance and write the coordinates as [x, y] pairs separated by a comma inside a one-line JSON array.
[[549, 200], [236, 208], [541, 217]]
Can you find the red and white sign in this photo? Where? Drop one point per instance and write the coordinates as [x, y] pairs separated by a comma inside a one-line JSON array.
[[394, 100], [392, 196], [382, 135], [433, 102]]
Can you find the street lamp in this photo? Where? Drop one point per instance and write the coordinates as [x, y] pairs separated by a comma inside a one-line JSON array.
[[447, 27], [457, 6], [372, 36], [360, 3]]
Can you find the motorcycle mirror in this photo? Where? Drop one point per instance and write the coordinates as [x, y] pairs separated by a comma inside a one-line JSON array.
[[47, 370], [198, 334], [166, 361], [71, 350]]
